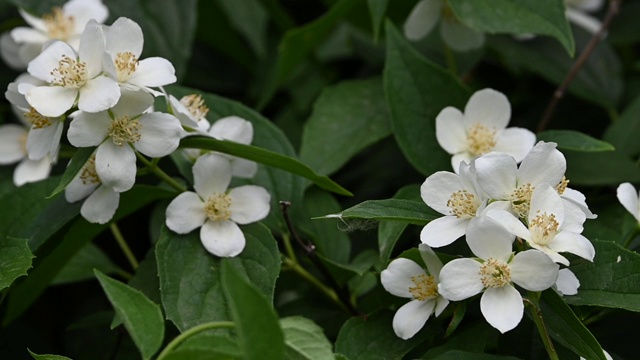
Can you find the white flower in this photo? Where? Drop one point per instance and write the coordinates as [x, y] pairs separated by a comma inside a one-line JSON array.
[[494, 272], [123, 45], [120, 130], [101, 201], [405, 278], [72, 78], [64, 23], [567, 283], [576, 12], [549, 229], [190, 110], [458, 198], [216, 210], [427, 13], [630, 199], [481, 129], [236, 129], [13, 149]]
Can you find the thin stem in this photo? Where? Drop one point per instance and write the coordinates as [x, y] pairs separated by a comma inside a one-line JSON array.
[[123, 245], [194, 330], [287, 245], [614, 7], [542, 329], [161, 174]]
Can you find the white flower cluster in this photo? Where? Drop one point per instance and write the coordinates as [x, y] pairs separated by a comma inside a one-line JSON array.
[[492, 201], [92, 73]]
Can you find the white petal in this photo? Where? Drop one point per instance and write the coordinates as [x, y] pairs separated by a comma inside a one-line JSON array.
[[450, 130], [185, 213], [116, 166], [443, 231], [249, 204], [543, 164], [11, 143], [132, 103], [160, 134], [516, 142], [28, 35], [533, 270], [98, 94], [396, 278], [628, 197], [411, 317], [44, 141], [552, 254], [10, 52], [124, 35], [211, 175], [460, 279], [441, 304], [579, 199], [33, 21], [222, 238], [502, 307], [78, 190], [49, 59], [438, 188], [31, 171], [85, 10], [243, 168], [488, 239], [574, 216], [100, 205], [434, 265], [511, 223], [585, 21], [567, 241], [92, 48], [497, 174], [567, 282], [232, 128], [422, 19], [459, 159], [87, 129], [153, 71], [488, 107], [460, 37], [545, 199], [51, 101]]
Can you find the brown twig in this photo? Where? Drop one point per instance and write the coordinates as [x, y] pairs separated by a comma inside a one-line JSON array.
[[614, 8]]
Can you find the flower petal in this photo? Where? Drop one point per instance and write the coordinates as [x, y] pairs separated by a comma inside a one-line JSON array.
[[222, 238], [87, 129], [443, 231], [434, 265], [85, 10], [153, 71], [567, 283], [92, 48], [232, 128], [543, 164], [533, 270], [78, 189], [249, 203], [567, 241], [51, 101], [160, 134], [628, 197], [511, 223], [396, 278], [488, 239], [502, 307], [31, 171], [11, 143], [497, 174], [243, 168], [441, 304], [411, 317], [116, 166], [450, 130], [516, 142], [460, 37], [438, 188], [423, 17], [100, 205], [185, 213], [211, 175], [585, 21], [124, 35], [44, 141], [545, 199], [488, 107], [460, 279], [49, 59], [98, 94]]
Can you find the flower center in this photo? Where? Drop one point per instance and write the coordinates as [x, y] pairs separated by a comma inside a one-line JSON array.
[[88, 175], [69, 73], [480, 139], [217, 207], [562, 185], [195, 104], [58, 26], [425, 287], [126, 64], [521, 200], [494, 273], [124, 130], [462, 204], [37, 120], [544, 228]]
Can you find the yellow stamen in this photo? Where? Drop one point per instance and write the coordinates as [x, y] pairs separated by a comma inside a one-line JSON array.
[[196, 106], [425, 287], [463, 204], [58, 25], [494, 273], [88, 175], [124, 130], [480, 139], [217, 207], [521, 200], [126, 65], [70, 73], [544, 228]]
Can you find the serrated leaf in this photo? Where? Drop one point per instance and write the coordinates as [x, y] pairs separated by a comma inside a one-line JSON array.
[[544, 17], [623, 132], [305, 340], [413, 212], [611, 280], [190, 282], [259, 333], [15, 260], [564, 327], [575, 140], [75, 165], [416, 91], [142, 317], [47, 356]]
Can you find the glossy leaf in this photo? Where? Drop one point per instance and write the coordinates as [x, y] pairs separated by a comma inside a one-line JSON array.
[[305, 340], [416, 91], [575, 140], [544, 17], [623, 133], [142, 317], [413, 212], [15, 260]]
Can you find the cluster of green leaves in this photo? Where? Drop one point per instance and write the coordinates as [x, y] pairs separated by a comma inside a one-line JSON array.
[[332, 88]]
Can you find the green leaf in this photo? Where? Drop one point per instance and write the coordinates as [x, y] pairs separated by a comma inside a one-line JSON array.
[[81, 266], [611, 280], [174, 42], [372, 339], [142, 317], [206, 346], [250, 19], [259, 333], [262, 156], [623, 132], [544, 17], [353, 114], [47, 356], [389, 232], [566, 328], [575, 140], [377, 9], [343, 272], [75, 165], [585, 168], [15, 260], [413, 212], [416, 91], [190, 279], [305, 340]]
